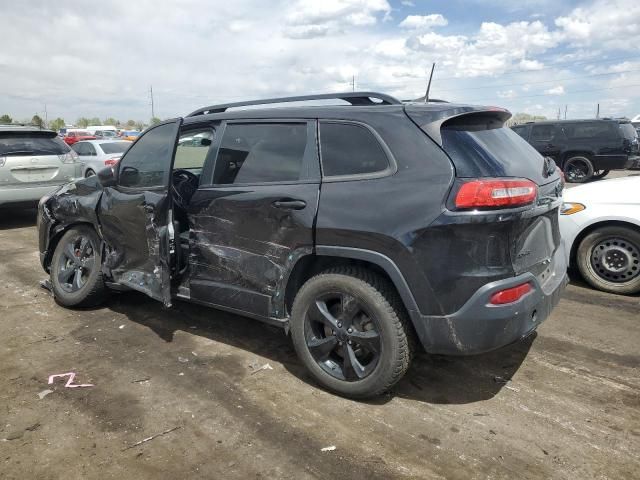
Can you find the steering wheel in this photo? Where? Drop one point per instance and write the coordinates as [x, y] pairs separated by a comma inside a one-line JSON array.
[[183, 186]]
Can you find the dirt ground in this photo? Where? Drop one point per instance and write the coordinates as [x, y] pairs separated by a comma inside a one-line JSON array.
[[571, 409]]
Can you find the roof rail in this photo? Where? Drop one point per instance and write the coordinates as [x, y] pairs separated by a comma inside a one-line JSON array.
[[354, 98]]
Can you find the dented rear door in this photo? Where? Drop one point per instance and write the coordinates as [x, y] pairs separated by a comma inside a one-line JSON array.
[[254, 217], [134, 214]]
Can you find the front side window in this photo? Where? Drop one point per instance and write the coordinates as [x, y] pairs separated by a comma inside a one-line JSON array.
[[261, 152], [522, 131], [542, 132], [193, 147], [147, 162], [348, 149]]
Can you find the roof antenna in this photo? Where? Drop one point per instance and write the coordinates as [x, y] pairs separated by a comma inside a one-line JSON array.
[[426, 95]]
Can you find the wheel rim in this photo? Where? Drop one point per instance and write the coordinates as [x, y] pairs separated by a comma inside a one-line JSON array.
[[616, 260], [342, 337], [577, 170], [76, 263]]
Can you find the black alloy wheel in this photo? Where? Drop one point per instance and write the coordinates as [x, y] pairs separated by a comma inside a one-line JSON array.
[[76, 269], [342, 337], [78, 261], [578, 170]]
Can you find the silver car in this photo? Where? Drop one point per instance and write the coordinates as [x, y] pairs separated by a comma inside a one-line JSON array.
[[97, 154], [33, 163]]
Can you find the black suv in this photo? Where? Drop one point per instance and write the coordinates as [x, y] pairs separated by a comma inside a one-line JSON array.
[[585, 149], [362, 229]]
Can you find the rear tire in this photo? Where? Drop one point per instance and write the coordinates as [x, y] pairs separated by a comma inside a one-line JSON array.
[[598, 174], [609, 259], [76, 269], [351, 331], [578, 169]]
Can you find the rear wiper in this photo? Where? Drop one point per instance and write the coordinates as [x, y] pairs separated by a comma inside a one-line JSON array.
[[14, 152]]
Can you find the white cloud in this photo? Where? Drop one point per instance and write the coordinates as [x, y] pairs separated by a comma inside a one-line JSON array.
[[415, 22], [558, 90], [507, 94], [407, 3], [530, 64], [312, 18], [609, 24]]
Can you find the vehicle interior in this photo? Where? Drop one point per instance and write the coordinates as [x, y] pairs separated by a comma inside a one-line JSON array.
[[191, 153]]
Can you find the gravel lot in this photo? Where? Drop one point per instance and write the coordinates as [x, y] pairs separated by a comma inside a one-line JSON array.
[[571, 409]]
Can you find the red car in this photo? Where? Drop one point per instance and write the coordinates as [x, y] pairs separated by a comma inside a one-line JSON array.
[[72, 137]]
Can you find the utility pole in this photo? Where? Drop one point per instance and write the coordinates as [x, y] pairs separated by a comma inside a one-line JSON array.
[[426, 95], [46, 123], [565, 111], [558, 113], [598, 111], [153, 113], [353, 83]]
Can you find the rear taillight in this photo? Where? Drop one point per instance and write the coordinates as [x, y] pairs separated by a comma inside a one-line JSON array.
[[110, 162], [510, 295], [561, 174], [70, 157], [3, 160], [492, 193]]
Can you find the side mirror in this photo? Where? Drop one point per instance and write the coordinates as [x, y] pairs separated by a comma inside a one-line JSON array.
[[108, 177]]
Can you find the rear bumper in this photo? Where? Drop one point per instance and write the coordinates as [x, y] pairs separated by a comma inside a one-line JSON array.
[[25, 195], [479, 327]]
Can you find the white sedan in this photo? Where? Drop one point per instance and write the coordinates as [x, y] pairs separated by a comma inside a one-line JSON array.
[[600, 223], [95, 155]]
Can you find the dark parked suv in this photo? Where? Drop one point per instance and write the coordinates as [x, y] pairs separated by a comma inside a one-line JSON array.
[[365, 230], [585, 149]]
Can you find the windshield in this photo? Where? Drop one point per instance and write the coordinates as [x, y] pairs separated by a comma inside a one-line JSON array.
[[498, 150], [31, 144], [114, 147], [628, 131]]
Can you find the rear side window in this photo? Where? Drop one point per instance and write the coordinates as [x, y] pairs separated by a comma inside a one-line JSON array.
[[587, 130], [348, 149], [252, 153], [16, 144]]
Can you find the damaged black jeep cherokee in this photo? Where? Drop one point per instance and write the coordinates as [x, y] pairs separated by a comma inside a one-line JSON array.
[[365, 229]]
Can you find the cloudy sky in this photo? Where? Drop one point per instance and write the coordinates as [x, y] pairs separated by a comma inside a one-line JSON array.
[[99, 59]]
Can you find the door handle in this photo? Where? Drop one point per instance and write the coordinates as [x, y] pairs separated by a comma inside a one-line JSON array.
[[290, 204]]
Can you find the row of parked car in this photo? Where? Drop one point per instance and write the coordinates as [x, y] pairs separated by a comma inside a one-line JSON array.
[[96, 132], [585, 149]]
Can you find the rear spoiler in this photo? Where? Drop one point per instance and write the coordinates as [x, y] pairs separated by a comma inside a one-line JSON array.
[[431, 118]]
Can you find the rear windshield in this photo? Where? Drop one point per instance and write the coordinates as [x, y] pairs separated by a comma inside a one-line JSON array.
[[588, 130], [31, 144], [475, 151], [628, 131], [114, 147]]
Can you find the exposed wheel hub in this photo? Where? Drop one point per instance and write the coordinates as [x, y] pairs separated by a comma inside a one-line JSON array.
[[616, 260]]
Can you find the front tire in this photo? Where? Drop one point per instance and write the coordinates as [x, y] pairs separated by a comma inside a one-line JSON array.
[[76, 269], [89, 173], [578, 169], [351, 331], [609, 259]]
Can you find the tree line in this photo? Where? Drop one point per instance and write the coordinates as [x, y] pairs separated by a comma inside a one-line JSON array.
[[82, 122]]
